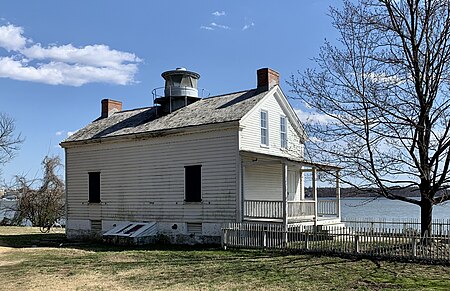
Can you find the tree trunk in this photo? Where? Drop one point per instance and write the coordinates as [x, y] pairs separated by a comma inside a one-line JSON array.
[[426, 216]]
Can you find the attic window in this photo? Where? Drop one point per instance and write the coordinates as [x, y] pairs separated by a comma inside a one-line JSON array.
[[264, 128], [283, 132]]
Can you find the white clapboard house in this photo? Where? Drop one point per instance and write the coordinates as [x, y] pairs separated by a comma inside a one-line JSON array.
[[186, 165]]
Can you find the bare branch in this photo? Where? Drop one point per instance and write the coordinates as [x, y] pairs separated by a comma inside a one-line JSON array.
[[42, 205], [9, 142], [385, 87]]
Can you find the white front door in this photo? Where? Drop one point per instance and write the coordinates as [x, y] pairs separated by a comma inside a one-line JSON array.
[[292, 187]]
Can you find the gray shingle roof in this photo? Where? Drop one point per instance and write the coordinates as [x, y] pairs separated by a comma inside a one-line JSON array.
[[218, 109]]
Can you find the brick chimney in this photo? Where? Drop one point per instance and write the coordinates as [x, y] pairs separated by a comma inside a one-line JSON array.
[[110, 106], [267, 78]]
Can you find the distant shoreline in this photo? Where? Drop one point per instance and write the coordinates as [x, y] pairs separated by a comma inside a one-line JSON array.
[[355, 193], [362, 197]]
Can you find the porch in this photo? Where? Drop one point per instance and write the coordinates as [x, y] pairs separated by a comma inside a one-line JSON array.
[[297, 211], [275, 191]]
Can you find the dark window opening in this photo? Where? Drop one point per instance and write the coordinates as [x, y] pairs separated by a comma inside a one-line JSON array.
[[94, 187], [193, 183]]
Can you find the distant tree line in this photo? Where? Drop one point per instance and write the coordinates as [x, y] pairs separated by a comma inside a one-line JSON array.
[[350, 192]]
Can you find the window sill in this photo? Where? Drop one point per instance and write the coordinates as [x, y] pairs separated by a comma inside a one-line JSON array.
[[93, 203], [264, 146], [193, 203]]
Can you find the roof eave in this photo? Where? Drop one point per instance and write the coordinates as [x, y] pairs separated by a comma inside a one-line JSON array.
[[157, 133]]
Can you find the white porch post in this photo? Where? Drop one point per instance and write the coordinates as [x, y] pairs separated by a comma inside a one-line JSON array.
[[338, 196], [302, 184], [284, 193], [241, 201], [314, 192]]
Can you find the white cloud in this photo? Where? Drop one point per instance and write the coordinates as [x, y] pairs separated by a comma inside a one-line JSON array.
[[206, 27], [315, 139], [11, 37], [313, 117], [59, 73], [58, 133], [307, 105], [96, 55], [18, 70], [69, 133], [383, 78], [65, 64], [247, 26], [219, 13], [219, 25]]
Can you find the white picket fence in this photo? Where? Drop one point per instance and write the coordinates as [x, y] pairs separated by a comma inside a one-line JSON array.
[[376, 242], [440, 227]]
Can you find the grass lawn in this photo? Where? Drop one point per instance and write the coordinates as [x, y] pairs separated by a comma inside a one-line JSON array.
[[31, 260]]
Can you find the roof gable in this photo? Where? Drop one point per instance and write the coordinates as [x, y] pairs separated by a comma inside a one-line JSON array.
[[279, 96]]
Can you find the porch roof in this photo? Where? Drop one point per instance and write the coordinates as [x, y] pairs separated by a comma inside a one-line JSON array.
[[301, 162]]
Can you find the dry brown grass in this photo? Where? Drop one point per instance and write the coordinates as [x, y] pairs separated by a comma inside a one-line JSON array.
[[99, 267], [22, 230]]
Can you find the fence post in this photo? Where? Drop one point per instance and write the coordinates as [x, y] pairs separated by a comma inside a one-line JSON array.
[[285, 205], [306, 241], [448, 241], [264, 238], [357, 244], [224, 240], [414, 246], [314, 193]]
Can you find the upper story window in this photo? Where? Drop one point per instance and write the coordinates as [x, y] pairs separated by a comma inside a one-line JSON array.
[[283, 132], [264, 128], [94, 187]]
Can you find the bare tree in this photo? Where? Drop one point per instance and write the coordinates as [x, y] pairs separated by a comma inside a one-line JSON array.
[[384, 89], [43, 205], [9, 142]]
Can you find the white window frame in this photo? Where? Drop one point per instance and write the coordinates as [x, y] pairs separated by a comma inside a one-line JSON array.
[[265, 129], [283, 134]]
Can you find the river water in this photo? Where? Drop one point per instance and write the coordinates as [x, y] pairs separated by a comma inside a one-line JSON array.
[[382, 208]]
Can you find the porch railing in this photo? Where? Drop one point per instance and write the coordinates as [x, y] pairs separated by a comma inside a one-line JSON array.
[[327, 207], [263, 209], [295, 209], [300, 209]]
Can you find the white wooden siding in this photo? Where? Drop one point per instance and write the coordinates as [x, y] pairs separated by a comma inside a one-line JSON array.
[[293, 187], [250, 134], [263, 182], [143, 180]]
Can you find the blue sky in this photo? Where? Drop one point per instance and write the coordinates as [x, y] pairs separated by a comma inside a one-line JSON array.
[[58, 59]]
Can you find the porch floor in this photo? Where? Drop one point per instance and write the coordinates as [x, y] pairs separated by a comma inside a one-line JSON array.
[[322, 220]]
